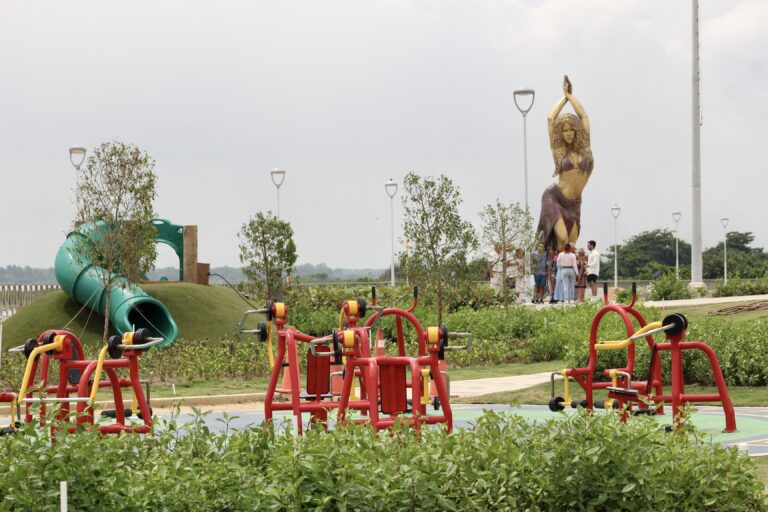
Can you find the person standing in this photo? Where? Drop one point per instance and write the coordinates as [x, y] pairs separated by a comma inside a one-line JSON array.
[[567, 267], [552, 274], [593, 267], [581, 275], [539, 274], [496, 268]]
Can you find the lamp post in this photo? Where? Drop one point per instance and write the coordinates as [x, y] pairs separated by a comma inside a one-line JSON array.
[[524, 93], [615, 211], [391, 188], [77, 156], [676, 217], [724, 222], [278, 176]]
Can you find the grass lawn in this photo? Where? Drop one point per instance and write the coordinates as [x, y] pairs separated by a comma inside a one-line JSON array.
[[741, 396]]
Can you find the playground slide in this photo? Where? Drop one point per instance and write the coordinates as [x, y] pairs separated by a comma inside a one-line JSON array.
[[130, 307]]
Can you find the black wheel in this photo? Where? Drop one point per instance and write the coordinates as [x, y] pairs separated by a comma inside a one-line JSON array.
[[29, 346], [556, 404], [678, 321], [140, 336], [362, 307], [263, 332], [436, 403], [112, 346]]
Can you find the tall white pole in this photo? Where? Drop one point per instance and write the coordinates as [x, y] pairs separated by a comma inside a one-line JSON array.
[[278, 202], [725, 256], [724, 222], [525, 157], [696, 264], [615, 252], [677, 258], [392, 240]]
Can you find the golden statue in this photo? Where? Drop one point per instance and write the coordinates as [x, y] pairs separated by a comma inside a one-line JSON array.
[[560, 219]]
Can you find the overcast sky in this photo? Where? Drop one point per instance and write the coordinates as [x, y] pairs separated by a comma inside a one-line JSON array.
[[345, 95]]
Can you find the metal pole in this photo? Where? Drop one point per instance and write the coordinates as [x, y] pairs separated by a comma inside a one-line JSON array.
[[525, 156], [278, 201], [677, 259], [615, 252], [696, 263], [392, 240], [725, 255]]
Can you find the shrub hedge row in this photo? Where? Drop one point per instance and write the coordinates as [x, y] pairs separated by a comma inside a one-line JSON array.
[[520, 334], [577, 463]]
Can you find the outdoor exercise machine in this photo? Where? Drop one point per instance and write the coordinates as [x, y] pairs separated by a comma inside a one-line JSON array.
[[345, 355], [384, 393], [399, 315], [82, 378], [648, 395]]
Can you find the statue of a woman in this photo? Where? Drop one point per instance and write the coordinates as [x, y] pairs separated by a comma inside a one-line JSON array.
[[560, 219]]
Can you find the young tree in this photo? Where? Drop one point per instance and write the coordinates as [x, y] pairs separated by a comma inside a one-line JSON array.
[[507, 227], [115, 194], [267, 251], [440, 238]]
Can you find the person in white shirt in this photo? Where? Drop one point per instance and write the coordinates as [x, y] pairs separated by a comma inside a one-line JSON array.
[[568, 267], [593, 267]]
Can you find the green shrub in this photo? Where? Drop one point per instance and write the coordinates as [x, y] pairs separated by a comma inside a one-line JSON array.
[[737, 286], [669, 287], [504, 463]]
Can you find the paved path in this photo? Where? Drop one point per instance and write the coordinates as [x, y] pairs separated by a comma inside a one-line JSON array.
[[477, 387], [670, 304]]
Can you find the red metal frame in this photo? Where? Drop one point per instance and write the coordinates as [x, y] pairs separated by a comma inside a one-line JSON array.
[[63, 389], [675, 345]]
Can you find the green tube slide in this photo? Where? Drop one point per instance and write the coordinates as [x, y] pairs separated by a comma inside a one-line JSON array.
[[130, 306]]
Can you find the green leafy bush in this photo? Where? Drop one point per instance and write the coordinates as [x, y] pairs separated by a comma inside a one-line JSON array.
[[737, 286], [669, 287], [504, 463]]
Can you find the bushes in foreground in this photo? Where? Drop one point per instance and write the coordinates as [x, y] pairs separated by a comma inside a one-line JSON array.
[[504, 463]]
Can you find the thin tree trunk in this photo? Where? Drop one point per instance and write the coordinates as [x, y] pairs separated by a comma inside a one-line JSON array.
[[439, 302], [105, 336]]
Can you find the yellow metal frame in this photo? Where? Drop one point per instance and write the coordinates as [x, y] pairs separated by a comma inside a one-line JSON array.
[[618, 345], [57, 344]]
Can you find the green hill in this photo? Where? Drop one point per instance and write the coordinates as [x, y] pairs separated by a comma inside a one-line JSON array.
[[201, 312]]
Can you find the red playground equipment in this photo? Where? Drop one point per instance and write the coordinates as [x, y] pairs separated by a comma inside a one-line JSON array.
[[649, 397], [383, 381], [83, 378]]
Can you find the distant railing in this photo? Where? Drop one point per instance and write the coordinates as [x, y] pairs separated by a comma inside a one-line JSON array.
[[15, 296]]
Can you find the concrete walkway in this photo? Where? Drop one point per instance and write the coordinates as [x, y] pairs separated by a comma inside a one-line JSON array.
[[477, 387], [671, 304]]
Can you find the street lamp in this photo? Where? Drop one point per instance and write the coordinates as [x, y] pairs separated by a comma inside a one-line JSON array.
[[77, 156], [676, 217], [391, 188], [615, 211], [524, 93], [724, 222], [278, 176]]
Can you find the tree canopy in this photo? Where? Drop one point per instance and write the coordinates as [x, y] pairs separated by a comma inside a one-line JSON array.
[[115, 195], [441, 239], [267, 252]]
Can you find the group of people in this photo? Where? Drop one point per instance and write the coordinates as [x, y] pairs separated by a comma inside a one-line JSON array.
[[563, 277], [566, 275]]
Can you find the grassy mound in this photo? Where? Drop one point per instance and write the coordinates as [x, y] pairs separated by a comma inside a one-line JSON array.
[[201, 312]]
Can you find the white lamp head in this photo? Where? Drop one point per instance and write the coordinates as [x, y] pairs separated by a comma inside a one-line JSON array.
[[724, 221], [278, 176], [77, 156], [676, 216], [524, 93], [615, 211], [391, 188]]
